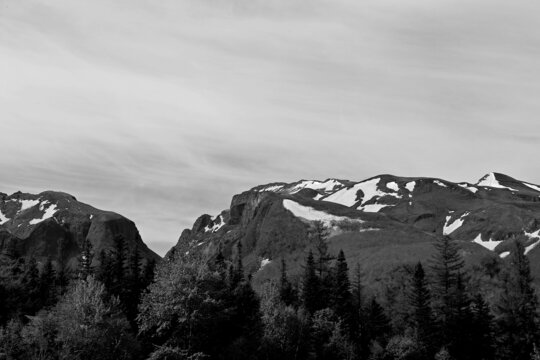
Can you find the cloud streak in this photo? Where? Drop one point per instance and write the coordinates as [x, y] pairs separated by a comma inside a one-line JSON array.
[[163, 110]]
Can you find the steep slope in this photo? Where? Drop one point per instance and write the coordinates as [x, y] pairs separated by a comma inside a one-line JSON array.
[[36, 225], [379, 222]]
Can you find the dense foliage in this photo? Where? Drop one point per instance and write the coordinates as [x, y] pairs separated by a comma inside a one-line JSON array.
[[202, 306]]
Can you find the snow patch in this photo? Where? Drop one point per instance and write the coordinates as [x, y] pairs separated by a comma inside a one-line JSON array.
[[533, 235], [393, 186], [264, 262], [456, 224], [468, 187], [491, 181], [534, 187], [439, 183], [504, 254], [326, 186], [3, 218], [311, 214], [49, 213], [27, 204], [410, 186], [217, 225], [272, 188], [372, 207], [532, 246], [490, 244], [347, 196]]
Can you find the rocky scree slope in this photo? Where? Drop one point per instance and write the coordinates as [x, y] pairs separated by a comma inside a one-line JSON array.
[[379, 222], [36, 225]]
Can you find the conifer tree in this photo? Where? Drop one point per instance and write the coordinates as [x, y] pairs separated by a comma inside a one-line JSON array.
[[149, 272], [310, 286], [31, 287], [482, 335], [359, 331], [460, 323], [518, 316], [341, 294], [133, 286], [446, 265], [286, 290], [105, 271], [47, 279], [420, 303], [236, 273], [62, 272], [319, 234], [85, 260], [378, 324], [119, 259]]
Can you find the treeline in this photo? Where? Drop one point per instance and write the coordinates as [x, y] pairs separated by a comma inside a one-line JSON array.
[[49, 311], [204, 307]]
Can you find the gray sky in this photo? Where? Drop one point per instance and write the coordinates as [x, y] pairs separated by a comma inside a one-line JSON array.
[[162, 110]]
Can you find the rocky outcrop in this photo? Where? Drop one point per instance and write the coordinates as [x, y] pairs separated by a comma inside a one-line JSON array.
[[379, 222], [53, 224]]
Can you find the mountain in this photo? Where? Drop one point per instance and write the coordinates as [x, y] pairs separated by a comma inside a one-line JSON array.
[[36, 225], [379, 222]]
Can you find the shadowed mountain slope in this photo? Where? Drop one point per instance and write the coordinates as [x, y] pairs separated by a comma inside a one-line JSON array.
[[380, 222]]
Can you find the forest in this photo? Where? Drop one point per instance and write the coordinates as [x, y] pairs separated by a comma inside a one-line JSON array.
[[203, 306]]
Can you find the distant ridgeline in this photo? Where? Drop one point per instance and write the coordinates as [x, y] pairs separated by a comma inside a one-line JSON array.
[[380, 223], [56, 226]]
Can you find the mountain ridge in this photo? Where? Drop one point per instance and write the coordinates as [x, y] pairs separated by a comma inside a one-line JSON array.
[[382, 214], [39, 224]]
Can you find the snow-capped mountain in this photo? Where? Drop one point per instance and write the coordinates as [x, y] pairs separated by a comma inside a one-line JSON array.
[[379, 221], [37, 224]]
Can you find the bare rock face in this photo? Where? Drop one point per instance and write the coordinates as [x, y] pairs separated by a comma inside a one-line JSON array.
[[39, 225], [380, 222]]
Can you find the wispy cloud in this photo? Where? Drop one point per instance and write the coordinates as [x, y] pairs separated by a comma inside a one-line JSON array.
[[163, 110]]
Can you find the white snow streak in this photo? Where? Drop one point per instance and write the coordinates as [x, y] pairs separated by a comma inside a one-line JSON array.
[[3, 218], [27, 204], [504, 254], [491, 181], [468, 187], [450, 228], [372, 207], [217, 225], [369, 188], [310, 214], [532, 246], [439, 183], [490, 244], [264, 262], [393, 186], [410, 186], [49, 213], [534, 187]]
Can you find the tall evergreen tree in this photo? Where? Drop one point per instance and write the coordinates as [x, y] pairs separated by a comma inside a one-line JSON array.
[[518, 316], [310, 286], [460, 323], [318, 236], [341, 294], [378, 324], [420, 303], [482, 335], [446, 265], [47, 286], [85, 260], [133, 286], [62, 271], [149, 272], [286, 290], [31, 288]]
